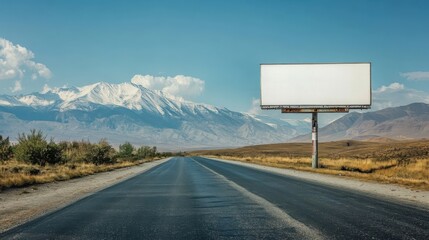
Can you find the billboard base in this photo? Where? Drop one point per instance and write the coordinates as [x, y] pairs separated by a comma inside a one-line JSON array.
[[315, 110]]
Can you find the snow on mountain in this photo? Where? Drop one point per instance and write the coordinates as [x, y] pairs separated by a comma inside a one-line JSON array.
[[291, 127], [130, 112]]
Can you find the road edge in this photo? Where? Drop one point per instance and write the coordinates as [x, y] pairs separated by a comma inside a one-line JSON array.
[[68, 200], [388, 192]]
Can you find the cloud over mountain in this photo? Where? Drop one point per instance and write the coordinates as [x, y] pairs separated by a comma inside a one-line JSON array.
[[397, 94], [178, 86], [16, 62]]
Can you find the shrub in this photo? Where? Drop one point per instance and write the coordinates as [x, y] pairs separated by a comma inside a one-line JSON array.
[[31, 148], [5, 149], [169, 154], [75, 152], [34, 149], [146, 152], [126, 150], [53, 153], [101, 153], [84, 151]]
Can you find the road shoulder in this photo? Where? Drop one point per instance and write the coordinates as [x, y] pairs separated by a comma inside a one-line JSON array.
[[20, 205], [389, 192]]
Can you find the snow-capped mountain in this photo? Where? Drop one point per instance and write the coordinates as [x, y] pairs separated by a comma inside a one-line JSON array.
[[130, 112]]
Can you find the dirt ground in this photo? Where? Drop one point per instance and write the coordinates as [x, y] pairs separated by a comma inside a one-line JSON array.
[[20, 205]]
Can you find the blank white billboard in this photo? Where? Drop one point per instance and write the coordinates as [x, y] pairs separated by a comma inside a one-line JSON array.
[[321, 85]]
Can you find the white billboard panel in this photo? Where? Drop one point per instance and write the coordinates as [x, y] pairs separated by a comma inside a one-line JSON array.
[[318, 85]]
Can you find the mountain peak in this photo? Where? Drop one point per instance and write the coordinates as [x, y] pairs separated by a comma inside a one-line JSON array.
[[127, 95], [130, 112]]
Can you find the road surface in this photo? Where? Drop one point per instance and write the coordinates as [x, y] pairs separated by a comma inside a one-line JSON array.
[[197, 198]]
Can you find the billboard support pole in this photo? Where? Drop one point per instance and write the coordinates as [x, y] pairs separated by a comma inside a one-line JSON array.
[[314, 138]]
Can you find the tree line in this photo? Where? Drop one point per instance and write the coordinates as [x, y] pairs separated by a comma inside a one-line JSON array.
[[34, 148]]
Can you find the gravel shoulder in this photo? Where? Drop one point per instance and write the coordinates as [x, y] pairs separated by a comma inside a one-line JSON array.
[[389, 192], [20, 205]]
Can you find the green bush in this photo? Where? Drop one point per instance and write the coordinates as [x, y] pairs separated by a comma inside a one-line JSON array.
[[53, 153], [101, 153], [146, 152], [34, 149], [126, 150], [75, 152], [5, 149], [84, 151], [31, 148]]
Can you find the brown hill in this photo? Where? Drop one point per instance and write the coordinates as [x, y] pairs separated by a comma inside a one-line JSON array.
[[400, 123]]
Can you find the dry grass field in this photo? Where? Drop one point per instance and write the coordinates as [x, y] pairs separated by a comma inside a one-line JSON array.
[[401, 162], [18, 174]]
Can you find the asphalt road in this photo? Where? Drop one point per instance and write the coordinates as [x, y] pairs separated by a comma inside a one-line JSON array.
[[197, 198]]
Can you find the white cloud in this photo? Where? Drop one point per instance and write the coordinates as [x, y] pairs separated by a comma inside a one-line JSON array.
[[392, 87], [17, 87], [255, 108], [16, 61], [179, 86], [418, 76], [397, 94]]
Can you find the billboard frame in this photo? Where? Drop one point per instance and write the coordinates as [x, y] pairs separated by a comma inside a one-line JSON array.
[[315, 106], [315, 109]]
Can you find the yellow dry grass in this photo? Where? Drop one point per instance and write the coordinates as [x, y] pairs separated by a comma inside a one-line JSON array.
[[18, 174], [400, 162], [414, 175]]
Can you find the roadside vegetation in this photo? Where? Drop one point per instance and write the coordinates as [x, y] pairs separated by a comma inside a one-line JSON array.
[[35, 160], [400, 162]]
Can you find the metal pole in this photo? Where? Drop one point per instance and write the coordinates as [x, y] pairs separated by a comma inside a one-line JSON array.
[[314, 138]]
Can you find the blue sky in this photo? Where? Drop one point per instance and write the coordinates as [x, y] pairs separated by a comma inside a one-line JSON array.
[[221, 43]]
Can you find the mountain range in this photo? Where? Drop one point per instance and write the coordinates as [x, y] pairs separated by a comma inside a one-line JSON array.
[[400, 123], [130, 112]]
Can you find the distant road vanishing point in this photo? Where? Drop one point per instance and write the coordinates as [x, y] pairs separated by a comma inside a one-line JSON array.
[[199, 198]]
